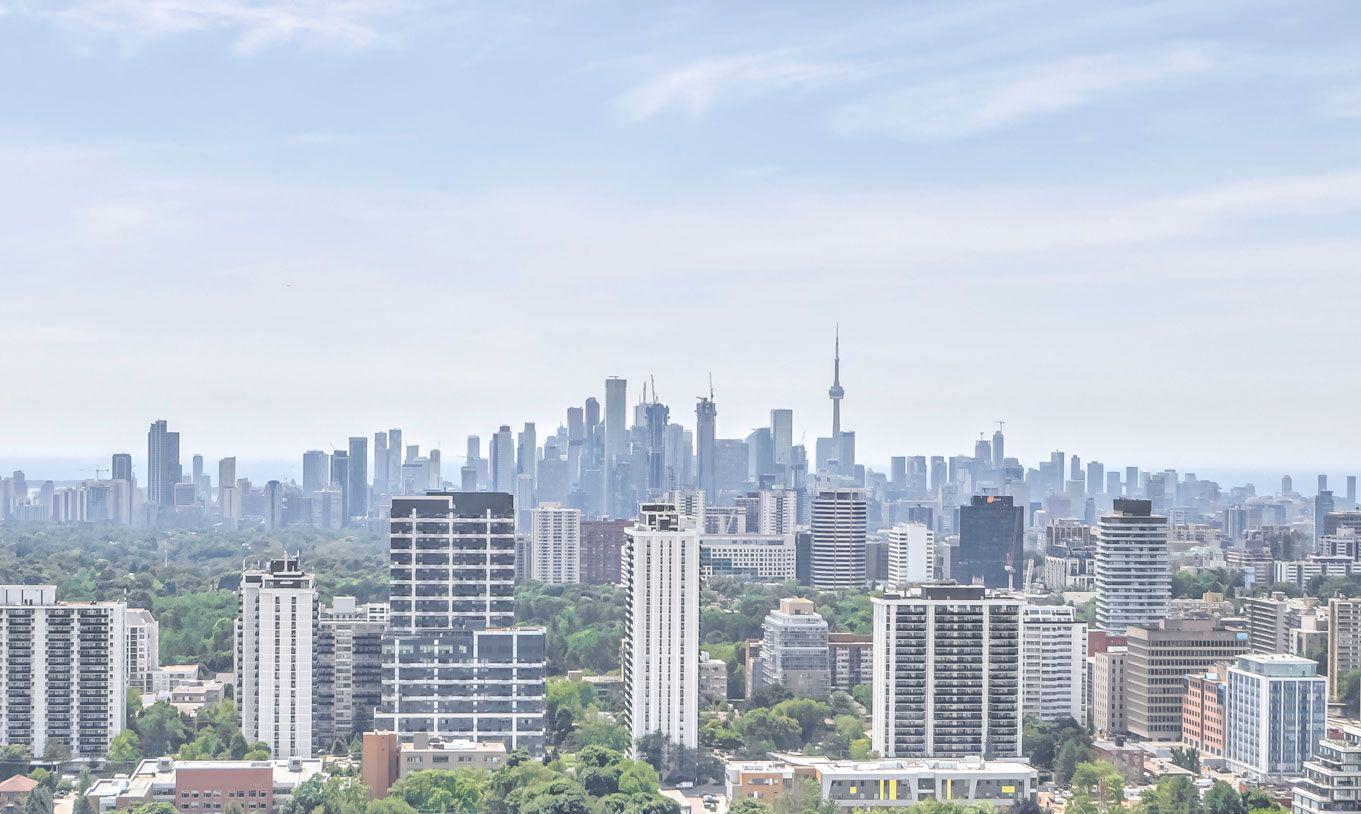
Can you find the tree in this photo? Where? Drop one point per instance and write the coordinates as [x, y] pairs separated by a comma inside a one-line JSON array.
[[160, 729], [804, 797], [1065, 763], [14, 759], [749, 805], [153, 808], [1186, 758], [637, 777], [389, 805], [1101, 782], [57, 751], [125, 748], [445, 791], [82, 805], [39, 801], [809, 714], [1174, 794], [764, 730], [1223, 799]]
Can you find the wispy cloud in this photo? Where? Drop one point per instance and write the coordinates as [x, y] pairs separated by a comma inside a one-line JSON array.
[[695, 87], [252, 24], [980, 102]]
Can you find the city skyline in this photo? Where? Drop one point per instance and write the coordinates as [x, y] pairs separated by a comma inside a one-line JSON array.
[[1007, 207]]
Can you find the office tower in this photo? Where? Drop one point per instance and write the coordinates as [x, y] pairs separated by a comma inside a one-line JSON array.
[[274, 505], [527, 453], [947, 674], [1274, 716], [340, 479], [122, 467], [1133, 584], [452, 661], [347, 670], [897, 478], [938, 474], [163, 464], [1113, 489], [468, 478], [274, 641], [592, 423], [63, 670], [660, 650], [1323, 505], [1075, 468], [657, 416], [794, 651], [556, 535], [196, 477], [991, 548], [395, 448], [911, 554], [1096, 476], [1161, 655], [616, 419], [706, 421], [315, 472], [502, 454], [358, 482], [1287, 485], [982, 453], [838, 554], [998, 455], [143, 648], [782, 437], [761, 459], [381, 467], [1132, 481], [228, 492], [1108, 691], [1054, 659]]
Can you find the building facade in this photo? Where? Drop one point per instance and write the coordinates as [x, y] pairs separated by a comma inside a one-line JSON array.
[[1054, 658], [144, 648], [1160, 658], [275, 639], [838, 553], [794, 651], [556, 544], [347, 669], [1275, 715], [1133, 583]]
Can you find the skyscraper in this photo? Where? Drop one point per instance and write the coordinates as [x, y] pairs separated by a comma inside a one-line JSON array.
[[998, 456], [122, 467], [502, 454], [836, 393], [315, 474], [556, 535], [340, 478], [616, 419], [838, 555], [163, 464], [394, 460], [991, 543], [358, 484], [706, 423], [228, 492], [1133, 584], [660, 650], [452, 660], [782, 437], [381, 467], [274, 636], [527, 454], [1323, 504], [947, 674]]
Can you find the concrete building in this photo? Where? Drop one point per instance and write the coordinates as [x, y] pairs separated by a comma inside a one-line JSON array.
[[143, 649], [1272, 619], [755, 557], [454, 664], [1160, 658], [602, 542], [838, 555], [911, 554], [851, 659], [386, 759], [1133, 583], [556, 536], [660, 653], [275, 641], [1344, 642], [1331, 782], [63, 672], [947, 673], [1054, 659], [794, 651], [1108, 692], [713, 678], [347, 670], [1275, 716]]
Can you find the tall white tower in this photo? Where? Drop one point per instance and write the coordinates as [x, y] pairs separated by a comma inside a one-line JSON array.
[[660, 649], [1133, 584], [557, 544], [274, 635]]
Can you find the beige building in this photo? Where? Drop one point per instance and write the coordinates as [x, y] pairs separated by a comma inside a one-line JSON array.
[[385, 760], [1344, 641], [1160, 658], [1108, 691]]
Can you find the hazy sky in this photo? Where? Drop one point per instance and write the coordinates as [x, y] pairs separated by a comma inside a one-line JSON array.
[[1132, 230]]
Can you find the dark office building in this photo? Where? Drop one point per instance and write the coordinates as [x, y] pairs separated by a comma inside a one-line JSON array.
[[991, 543]]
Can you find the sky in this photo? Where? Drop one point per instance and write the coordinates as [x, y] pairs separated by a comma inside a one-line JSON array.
[[1130, 230]]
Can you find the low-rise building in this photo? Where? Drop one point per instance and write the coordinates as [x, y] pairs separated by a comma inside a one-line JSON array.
[[205, 786], [713, 678], [887, 783], [385, 759]]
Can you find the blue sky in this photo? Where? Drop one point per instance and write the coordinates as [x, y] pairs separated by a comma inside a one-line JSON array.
[[1132, 230]]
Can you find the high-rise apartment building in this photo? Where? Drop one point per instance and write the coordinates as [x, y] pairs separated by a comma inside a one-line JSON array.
[[1108, 691], [660, 650], [347, 670], [143, 648], [1133, 583], [911, 554], [63, 672], [947, 673], [275, 635], [602, 543], [556, 544], [1054, 662], [163, 464], [1344, 642], [838, 555], [1275, 715], [779, 512], [453, 662], [1160, 658], [991, 543], [794, 652]]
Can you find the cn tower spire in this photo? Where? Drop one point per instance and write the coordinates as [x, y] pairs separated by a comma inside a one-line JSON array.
[[836, 393]]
